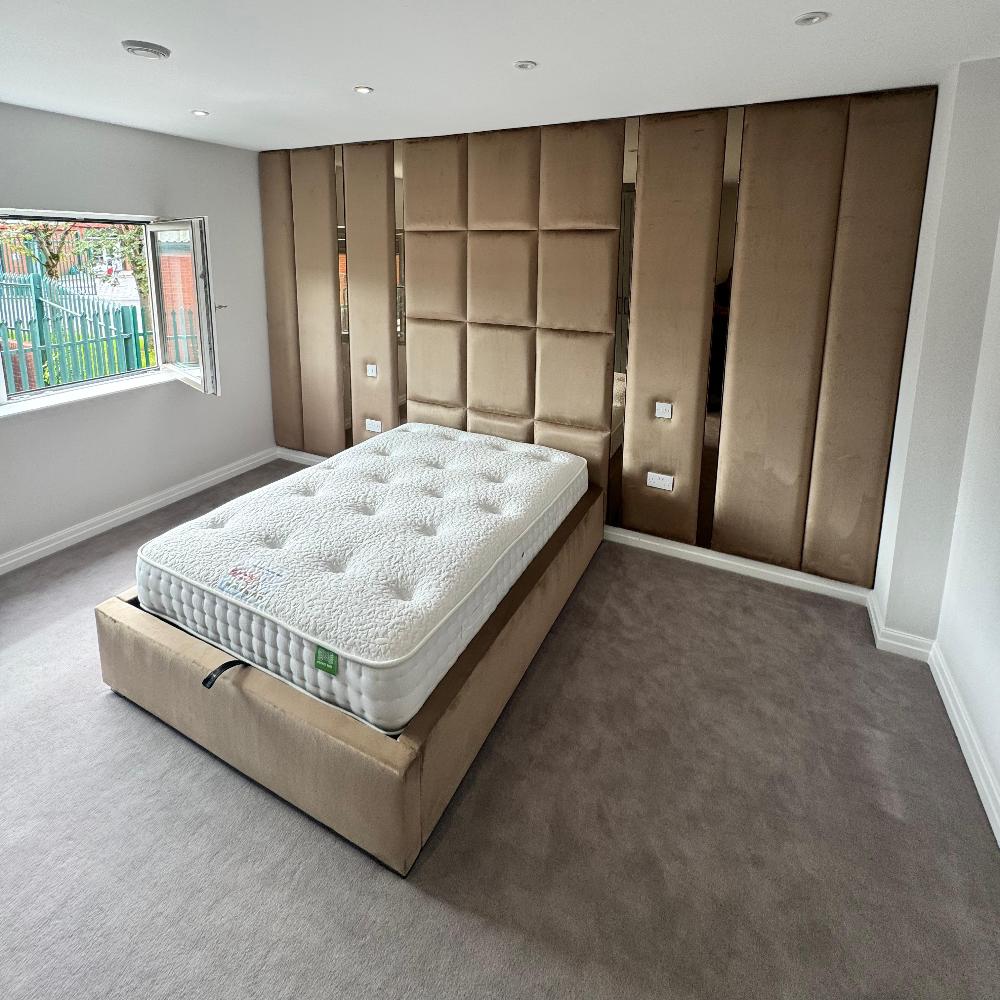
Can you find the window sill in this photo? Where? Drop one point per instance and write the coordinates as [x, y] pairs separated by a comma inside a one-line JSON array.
[[76, 394]]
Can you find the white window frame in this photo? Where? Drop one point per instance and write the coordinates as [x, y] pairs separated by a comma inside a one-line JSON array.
[[206, 377]]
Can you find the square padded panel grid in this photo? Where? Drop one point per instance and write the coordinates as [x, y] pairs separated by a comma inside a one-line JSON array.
[[481, 278]]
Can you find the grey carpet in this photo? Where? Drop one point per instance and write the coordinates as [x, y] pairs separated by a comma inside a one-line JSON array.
[[705, 786]]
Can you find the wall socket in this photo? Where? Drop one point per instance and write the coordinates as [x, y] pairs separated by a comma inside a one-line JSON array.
[[375, 426], [371, 371], [664, 411], [660, 481]]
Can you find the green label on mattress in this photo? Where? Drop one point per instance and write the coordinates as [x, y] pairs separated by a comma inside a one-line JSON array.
[[326, 660]]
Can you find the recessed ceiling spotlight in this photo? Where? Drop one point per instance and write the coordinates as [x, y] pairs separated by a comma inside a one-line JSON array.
[[200, 112], [813, 17], [145, 50], [525, 64], [364, 89]]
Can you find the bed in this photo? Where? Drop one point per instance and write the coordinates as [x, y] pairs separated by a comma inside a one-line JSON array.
[[381, 608]]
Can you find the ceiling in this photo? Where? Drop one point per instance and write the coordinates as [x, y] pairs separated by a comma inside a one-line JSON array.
[[282, 75]]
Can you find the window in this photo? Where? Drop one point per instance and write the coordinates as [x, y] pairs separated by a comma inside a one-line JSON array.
[[86, 299]]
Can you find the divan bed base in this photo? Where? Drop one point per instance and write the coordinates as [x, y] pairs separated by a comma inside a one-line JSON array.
[[383, 793]]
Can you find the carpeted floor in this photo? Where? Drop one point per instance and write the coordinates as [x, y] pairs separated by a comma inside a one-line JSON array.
[[706, 786]]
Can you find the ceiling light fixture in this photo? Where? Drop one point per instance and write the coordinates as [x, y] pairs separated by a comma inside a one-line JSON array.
[[525, 64], [200, 112], [813, 17], [364, 89], [145, 50]]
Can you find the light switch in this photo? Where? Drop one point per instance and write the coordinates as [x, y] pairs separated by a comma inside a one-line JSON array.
[[664, 411], [375, 426], [371, 371], [660, 481]]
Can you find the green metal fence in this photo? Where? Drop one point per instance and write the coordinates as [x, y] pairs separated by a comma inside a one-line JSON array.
[[54, 350]]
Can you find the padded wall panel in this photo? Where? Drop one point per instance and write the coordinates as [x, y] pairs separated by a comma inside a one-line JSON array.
[[417, 411], [888, 143], [282, 309], [314, 214], [501, 425], [579, 213], [503, 179], [435, 275], [370, 210], [792, 162], [577, 280], [501, 370], [592, 445], [434, 183], [581, 175], [435, 362], [678, 193], [573, 378], [502, 277]]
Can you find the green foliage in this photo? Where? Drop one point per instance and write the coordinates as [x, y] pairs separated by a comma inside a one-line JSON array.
[[121, 240], [44, 242]]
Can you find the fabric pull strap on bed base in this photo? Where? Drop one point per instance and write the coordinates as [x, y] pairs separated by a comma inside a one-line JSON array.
[[220, 670]]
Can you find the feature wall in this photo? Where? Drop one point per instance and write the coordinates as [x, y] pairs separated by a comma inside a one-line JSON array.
[[758, 419]]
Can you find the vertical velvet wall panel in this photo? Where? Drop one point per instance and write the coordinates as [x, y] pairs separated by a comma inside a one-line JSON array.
[[282, 309], [678, 191], [370, 221], [579, 214], [314, 215], [792, 162], [435, 220], [885, 169]]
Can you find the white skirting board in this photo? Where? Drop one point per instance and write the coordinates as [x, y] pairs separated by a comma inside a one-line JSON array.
[[986, 780], [736, 564], [890, 640], [42, 547]]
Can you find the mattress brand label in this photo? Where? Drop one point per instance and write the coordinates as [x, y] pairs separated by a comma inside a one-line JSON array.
[[249, 583], [327, 661]]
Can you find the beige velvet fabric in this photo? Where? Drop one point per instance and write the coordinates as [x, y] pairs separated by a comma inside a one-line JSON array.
[[885, 168], [501, 277], [501, 370], [282, 308], [577, 280], [581, 175], [579, 212], [503, 179], [435, 275], [435, 177], [435, 362], [502, 425], [314, 214], [476, 259], [573, 378], [383, 794], [793, 155], [370, 219], [678, 193]]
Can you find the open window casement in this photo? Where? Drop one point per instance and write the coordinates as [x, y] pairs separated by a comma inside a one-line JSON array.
[[185, 313]]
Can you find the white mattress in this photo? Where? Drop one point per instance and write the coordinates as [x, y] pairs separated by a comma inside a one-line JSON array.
[[362, 579]]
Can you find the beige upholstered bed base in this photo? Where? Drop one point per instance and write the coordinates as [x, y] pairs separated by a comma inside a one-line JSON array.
[[382, 793]]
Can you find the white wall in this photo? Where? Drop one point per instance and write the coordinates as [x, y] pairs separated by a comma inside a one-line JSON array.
[[951, 288], [67, 464], [969, 632]]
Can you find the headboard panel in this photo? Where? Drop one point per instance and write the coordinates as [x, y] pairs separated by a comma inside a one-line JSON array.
[[512, 264]]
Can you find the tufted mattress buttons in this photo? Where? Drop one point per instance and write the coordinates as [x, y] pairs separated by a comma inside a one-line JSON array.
[[390, 555]]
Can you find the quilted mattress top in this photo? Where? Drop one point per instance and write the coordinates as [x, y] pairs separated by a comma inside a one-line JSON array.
[[370, 551]]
